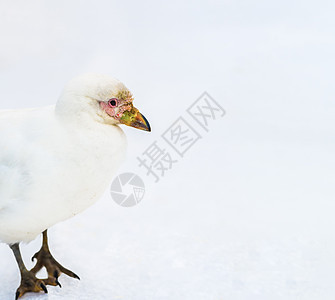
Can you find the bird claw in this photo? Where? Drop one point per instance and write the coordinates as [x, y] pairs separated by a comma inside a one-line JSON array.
[[58, 283], [44, 288], [30, 283], [56, 275], [54, 268], [34, 257]]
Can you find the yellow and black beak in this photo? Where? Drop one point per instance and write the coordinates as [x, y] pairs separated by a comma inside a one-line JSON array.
[[135, 119]]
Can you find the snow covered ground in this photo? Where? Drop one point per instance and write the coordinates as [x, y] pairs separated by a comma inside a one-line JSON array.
[[248, 212]]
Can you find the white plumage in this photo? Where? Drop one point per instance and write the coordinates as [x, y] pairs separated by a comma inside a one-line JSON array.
[[57, 161]]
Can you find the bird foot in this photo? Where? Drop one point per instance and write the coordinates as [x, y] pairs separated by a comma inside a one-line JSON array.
[[54, 268], [30, 283]]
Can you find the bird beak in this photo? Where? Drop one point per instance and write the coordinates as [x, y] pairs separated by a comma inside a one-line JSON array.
[[135, 119]]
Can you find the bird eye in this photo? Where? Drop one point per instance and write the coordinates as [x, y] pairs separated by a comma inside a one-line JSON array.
[[112, 102]]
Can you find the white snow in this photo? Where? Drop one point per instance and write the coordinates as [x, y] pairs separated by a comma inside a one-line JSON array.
[[249, 212]]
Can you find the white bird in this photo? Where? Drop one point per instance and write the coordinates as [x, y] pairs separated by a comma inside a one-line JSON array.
[[57, 161]]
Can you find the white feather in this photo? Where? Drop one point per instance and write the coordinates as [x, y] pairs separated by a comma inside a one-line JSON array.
[[54, 163]]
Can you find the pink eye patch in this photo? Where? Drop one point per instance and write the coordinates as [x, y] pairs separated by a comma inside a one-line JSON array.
[[112, 109], [107, 108]]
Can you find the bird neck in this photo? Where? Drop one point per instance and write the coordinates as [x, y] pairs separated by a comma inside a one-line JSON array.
[[77, 110]]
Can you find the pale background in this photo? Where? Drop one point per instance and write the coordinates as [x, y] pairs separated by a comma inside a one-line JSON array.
[[249, 212]]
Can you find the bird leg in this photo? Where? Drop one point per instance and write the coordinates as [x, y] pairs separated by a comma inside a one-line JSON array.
[[54, 268], [29, 282]]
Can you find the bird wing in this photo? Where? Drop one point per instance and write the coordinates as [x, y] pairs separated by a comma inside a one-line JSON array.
[[19, 131]]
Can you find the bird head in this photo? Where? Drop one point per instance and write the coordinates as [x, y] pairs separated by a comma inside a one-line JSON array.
[[102, 98]]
